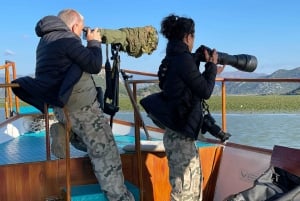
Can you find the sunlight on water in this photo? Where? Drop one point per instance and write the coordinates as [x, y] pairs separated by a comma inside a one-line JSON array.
[[265, 130], [260, 130]]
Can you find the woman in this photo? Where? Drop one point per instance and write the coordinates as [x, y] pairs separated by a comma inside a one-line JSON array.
[[183, 87]]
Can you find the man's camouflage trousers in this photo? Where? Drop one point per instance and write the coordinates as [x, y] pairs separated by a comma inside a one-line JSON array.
[[184, 167], [90, 124]]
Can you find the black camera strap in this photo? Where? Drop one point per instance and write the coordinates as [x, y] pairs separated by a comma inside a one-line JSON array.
[[111, 95], [205, 107]]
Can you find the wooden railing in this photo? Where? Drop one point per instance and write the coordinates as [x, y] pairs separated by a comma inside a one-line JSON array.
[[223, 86], [9, 104], [10, 70]]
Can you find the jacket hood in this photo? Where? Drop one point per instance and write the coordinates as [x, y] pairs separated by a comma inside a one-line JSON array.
[[49, 24]]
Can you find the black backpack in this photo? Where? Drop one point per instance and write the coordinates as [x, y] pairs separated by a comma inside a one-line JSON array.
[[275, 184]]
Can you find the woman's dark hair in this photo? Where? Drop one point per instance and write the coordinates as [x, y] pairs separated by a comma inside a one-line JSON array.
[[175, 28]]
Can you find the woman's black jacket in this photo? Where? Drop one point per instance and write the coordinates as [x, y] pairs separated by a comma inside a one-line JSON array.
[[178, 106]]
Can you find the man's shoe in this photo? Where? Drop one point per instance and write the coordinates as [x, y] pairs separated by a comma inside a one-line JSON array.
[[58, 135], [58, 145]]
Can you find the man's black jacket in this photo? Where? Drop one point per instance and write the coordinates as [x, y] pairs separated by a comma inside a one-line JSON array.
[[60, 60]]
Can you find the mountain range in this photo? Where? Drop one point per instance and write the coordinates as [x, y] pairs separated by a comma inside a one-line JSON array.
[[262, 88], [250, 88]]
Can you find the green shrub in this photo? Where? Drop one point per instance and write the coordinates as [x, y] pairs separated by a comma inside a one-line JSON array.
[[239, 103]]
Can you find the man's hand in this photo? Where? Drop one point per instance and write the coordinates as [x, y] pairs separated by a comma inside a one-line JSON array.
[[93, 34]]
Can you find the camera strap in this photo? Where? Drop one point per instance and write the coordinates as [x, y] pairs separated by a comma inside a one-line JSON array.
[[205, 107], [111, 94]]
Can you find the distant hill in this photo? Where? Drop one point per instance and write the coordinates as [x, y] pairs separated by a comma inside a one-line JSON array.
[[266, 88], [251, 88], [241, 74]]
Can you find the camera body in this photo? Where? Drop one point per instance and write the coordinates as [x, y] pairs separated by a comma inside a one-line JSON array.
[[210, 126], [84, 30], [242, 62]]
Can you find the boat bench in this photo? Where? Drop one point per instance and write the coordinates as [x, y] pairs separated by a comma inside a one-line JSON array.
[[286, 158]]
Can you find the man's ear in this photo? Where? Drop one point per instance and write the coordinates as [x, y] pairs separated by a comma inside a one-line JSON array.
[[74, 28]]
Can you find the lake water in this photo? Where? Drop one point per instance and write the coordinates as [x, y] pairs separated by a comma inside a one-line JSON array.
[[261, 130]]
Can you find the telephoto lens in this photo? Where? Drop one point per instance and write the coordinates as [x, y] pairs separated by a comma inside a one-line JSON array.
[[242, 62]]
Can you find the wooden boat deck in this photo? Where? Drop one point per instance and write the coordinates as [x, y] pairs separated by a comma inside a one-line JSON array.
[[31, 147], [26, 174]]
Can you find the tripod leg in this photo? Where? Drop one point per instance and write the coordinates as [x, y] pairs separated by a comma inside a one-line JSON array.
[[134, 104]]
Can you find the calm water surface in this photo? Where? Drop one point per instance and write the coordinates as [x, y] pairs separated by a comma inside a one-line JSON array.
[[261, 130]]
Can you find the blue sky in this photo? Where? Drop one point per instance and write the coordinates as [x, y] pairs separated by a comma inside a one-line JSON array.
[[269, 30]]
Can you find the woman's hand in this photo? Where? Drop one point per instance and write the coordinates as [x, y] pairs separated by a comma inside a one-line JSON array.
[[211, 58], [220, 69]]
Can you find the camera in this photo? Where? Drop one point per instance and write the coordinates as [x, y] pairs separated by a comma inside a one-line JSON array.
[[210, 126], [84, 30], [242, 62]]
